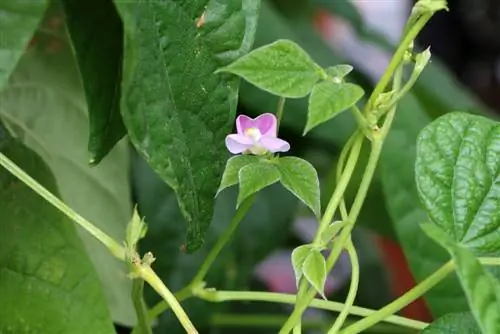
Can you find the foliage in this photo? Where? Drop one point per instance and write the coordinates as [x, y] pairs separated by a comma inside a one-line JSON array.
[[166, 76]]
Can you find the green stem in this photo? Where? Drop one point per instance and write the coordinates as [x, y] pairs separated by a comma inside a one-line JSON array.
[[340, 169], [280, 109], [402, 301], [163, 306], [353, 289], [209, 260], [341, 186], [143, 325], [222, 241], [298, 328], [258, 320], [396, 59], [271, 297], [115, 248], [304, 296], [147, 274]]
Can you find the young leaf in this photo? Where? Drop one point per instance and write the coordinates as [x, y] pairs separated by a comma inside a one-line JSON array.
[[301, 179], [41, 100], [453, 323], [457, 172], [339, 71], [299, 255], [328, 99], [314, 270], [331, 231], [177, 112], [97, 38], [282, 68], [481, 288], [255, 177], [47, 283], [233, 166], [18, 24]]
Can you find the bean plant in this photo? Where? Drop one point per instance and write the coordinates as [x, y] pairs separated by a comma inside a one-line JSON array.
[[172, 93]]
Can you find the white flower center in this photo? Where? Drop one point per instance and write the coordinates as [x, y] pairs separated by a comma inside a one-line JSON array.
[[253, 133]]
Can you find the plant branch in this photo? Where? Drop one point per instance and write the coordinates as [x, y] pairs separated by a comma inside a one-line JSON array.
[[209, 260], [353, 288], [143, 325], [147, 274], [225, 296], [114, 247]]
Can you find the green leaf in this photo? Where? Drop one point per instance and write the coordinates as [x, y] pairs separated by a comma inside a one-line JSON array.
[[44, 107], [281, 68], [328, 99], [255, 177], [269, 218], [47, 283], [331, 231], [233, 166], [299, 256], [453, 323], [481, 288], [176, 110], [301, 179], [314, 270], [97, 37], [339, 71], [273, 26], [457, 173], [401, 196], [19, 22]]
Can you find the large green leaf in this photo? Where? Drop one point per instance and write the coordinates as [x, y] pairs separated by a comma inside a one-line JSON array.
[[262, 230], [176, 110], [18, 24], [458, 179], [398, 179], [481, 288], [97, 35], [47, 283], [453, 323], [44, 107]]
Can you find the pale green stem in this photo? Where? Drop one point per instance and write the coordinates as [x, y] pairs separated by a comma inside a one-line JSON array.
[[341, 186], [272, 297], [396, 59], [298, 328], [353, 288], [411, 296], [280, 109], [143, 325], [258, 320], [210, 259], [222, 241], [147, 274], [115, 248], [303, 296], [402, 301], [163, 306]]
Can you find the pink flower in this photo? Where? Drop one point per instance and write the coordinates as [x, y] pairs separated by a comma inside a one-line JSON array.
[[257, 136]]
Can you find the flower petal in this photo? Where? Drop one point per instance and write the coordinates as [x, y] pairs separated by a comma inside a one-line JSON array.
[[274, 144], [243, 122], [237, 143], [267, 124]]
